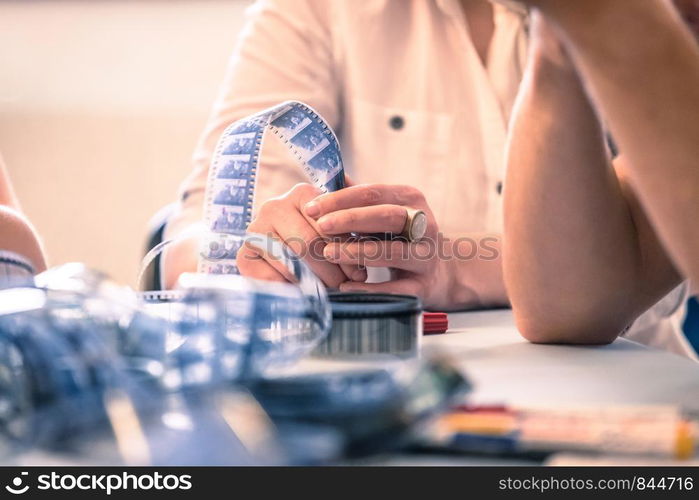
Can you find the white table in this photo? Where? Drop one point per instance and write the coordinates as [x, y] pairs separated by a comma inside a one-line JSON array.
[[505, 368]]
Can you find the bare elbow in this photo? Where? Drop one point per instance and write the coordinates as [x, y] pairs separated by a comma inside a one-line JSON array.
[[579, 331]]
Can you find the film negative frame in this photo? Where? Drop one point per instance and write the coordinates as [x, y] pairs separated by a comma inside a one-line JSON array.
[[230, 189]]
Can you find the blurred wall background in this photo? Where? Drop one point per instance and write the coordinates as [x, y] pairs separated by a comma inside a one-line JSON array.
[[101, 104]]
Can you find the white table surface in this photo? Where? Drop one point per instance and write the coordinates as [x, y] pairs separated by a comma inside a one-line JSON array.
[[505, 368]]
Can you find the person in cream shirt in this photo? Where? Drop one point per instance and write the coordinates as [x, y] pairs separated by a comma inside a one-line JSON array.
[[420, 93]]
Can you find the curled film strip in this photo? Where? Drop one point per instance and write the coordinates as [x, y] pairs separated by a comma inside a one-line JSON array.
[[228, 208], [230, 188]]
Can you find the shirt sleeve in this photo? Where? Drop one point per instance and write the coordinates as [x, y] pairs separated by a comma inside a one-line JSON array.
[[661, 325], [284, 52], [15, 270]]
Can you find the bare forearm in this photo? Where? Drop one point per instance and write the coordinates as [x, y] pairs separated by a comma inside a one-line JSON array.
[[16, 232], [642, 66], [570, 252]]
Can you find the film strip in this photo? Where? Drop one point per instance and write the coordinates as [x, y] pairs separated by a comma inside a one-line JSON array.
[[230, 191]]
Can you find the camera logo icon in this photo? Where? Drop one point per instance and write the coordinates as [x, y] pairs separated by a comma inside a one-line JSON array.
[[16, 487]]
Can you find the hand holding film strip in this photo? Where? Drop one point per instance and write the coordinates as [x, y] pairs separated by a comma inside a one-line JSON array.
[[337, 232]]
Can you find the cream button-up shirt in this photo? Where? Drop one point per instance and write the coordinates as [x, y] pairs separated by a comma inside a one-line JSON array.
[[400, 82], [411, 101]]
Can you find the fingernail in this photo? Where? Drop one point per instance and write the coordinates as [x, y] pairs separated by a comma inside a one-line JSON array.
[[325, 224], [312, 209], [327, 253], [359, 275]]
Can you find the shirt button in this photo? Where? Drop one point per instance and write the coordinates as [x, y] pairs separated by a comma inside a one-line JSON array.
[[396, 122], [498, 187]]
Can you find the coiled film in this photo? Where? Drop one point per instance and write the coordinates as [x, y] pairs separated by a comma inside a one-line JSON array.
[[373, 323], [266, 323]]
